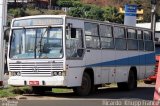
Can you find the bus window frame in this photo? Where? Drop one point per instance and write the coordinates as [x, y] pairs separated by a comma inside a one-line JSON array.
[[112, 36], [123, 38], [132, 39], [83, 46], [95, 36], [146, 40]]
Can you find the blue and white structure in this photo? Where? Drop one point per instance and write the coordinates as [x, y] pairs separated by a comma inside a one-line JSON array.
[[130, 15], [60, 51]]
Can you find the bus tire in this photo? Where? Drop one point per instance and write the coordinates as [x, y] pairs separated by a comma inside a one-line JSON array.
[[94, 89], [131, 84], [85, 87]]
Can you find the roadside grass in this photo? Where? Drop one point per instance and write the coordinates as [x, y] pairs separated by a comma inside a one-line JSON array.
[[61, 90], [14, 91], [6, 92]]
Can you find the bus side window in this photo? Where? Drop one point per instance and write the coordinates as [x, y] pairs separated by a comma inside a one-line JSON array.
[[107, 41], [92, 35], [148, 40], [132, 39], [120, 38], [74, 43], [140, 40]]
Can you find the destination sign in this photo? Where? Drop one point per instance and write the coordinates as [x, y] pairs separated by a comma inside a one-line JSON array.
[[37, 22]]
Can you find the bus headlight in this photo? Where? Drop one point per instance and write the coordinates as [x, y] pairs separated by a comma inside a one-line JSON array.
[[58, 73], [15, 73]]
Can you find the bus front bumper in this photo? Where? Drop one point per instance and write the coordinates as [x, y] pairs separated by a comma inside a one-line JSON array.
[[37, 81]]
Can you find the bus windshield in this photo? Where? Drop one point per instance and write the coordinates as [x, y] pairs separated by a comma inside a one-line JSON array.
[[31, 43]]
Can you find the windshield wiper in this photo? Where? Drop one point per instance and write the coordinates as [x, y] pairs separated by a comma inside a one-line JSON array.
[[40, 41]]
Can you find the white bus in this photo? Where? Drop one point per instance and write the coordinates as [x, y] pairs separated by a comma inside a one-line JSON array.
[[61, 51]]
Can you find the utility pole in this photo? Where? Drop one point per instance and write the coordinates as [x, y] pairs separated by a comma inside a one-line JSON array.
[[3, 20], [153, 15]]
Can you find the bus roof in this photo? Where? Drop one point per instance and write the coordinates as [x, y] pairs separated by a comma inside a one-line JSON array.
[[89, 20]]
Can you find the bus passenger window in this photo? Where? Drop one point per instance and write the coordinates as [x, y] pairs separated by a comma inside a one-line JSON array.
[[119, 32], [92, 36], [140, 40], [149, 46], [132, 39], [120, 38], [74, 44], [147, 35], [120, 44], [107, 41], [132, 34], [148, 41]]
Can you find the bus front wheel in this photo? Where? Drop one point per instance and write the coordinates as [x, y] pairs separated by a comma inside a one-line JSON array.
[[85, 87]]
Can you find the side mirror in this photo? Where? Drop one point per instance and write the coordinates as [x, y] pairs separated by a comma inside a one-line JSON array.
[[6, 34]]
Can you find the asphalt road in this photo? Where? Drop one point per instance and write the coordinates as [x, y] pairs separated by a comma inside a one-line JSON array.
[[142, 96]]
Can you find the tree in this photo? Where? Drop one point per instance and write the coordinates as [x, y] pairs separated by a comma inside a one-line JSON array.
[[87, 11], [94, 12], [111, 14], [67, 3]]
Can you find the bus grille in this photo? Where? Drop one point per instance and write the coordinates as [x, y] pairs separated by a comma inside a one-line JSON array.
[[36, 68]]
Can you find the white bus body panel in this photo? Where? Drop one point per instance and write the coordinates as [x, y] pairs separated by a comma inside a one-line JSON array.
[[49, 81], [96, 60], [25, 77]]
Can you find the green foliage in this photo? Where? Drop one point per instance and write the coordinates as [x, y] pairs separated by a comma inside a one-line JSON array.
[[31, 6], [68, 3], [14, 91], [33, 12], [94, 12], [17, 12], [111, 14], [77, 9], [138, 2], [87, 11], [6, 93], [76, 12], [61, 90], [147, 11]]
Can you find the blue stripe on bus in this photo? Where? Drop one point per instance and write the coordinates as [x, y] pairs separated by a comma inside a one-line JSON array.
[[146, 59]]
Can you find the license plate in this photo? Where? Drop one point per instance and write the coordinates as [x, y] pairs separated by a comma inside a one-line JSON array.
[[34, 83]]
